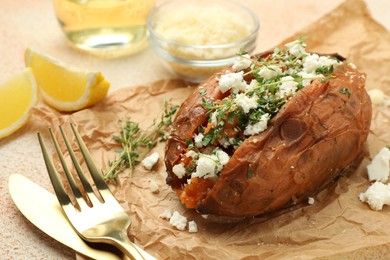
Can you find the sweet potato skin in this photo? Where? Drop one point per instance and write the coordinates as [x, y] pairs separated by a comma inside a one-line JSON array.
[[188, 118], [316, 134]]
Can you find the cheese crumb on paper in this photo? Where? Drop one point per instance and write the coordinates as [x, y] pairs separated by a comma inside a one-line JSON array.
[[379, 169], [179, 221], [377, 195], [378, 97], [166, 214], [192, 227], [154, 187], [150, 161]]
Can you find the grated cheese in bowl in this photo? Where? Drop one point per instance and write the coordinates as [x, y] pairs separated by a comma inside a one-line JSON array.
[[198, 38]]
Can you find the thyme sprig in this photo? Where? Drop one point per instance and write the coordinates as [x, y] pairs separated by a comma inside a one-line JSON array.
[[137, 143]]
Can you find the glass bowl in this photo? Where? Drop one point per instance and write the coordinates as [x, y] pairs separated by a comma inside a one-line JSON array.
[[195, 39]]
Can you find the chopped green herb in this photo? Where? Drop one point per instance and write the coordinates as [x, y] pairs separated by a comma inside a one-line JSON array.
[[231, 117], [325, 70], [208, 139], [302, 39], [190, 142], [345, 91], [188, 169]]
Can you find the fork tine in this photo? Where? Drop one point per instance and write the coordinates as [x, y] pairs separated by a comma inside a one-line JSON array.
[[96, 175], [81, 201], [53, 174], [90, 194], [69, 176]]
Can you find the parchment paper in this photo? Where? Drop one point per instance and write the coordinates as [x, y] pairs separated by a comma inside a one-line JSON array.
[[337, 225]]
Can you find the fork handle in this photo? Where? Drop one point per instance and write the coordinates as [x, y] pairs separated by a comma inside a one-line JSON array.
[[129, 248]]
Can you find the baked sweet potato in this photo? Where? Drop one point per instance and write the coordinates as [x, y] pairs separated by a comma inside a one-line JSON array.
[[315, 133]]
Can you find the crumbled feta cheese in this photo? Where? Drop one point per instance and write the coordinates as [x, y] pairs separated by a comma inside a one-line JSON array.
[[308, 77], [214, 118], [150, 161], [288, 87], [222, 157], [257, 127], [207, 166], [191, 154], [377, 96], [154, 186], [269, 72], [311, 63], [246, 103], [310, 200], [253, 84], [233, 81], [178, 221], [296, 48], [379, 168], [327, 61], [314, 61], [179, 170], [192, 227], [227, 142], [198, 138], [166, 214], [377, 195], [243, 62]]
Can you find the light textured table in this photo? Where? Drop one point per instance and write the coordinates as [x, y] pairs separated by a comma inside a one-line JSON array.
[[32, 24]]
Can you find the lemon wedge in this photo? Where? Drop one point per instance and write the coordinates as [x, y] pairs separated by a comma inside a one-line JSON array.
[[65, 88], [17, 96]]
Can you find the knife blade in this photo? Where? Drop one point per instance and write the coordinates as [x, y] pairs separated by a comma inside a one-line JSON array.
[[42, 209]]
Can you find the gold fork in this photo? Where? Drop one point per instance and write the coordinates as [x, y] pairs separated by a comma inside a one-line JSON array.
[[96, 220]]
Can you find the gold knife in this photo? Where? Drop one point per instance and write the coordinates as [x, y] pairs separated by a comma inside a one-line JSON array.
[[42, 209]]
